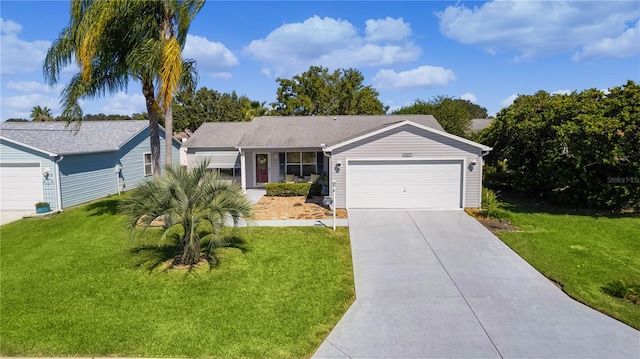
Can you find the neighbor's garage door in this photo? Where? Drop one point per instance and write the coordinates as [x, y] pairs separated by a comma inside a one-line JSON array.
[[404, 184], [20, 185]]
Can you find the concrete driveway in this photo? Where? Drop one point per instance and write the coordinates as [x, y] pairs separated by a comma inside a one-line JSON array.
[[437, 284]]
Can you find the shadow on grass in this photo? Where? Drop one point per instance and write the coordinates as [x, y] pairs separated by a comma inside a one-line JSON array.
[[107, 206], [519, 203], [163, 257]]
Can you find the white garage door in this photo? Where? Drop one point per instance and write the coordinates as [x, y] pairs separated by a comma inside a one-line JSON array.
[[404, 184], [20, 185]]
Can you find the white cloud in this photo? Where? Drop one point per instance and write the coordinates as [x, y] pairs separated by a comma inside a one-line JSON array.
[[293, 48], [469, 97], [33, 86], [211, 56], [561, 92], [508, 101], [537, 28], [19, 56], [21, 106], [221, 75], [124, 104], [388, 29], [623, 46], [423, 76]]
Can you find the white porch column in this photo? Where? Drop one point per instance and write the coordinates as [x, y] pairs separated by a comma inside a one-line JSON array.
[[243, 171]]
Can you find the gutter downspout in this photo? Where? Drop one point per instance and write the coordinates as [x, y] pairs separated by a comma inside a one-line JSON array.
[[59, 184]]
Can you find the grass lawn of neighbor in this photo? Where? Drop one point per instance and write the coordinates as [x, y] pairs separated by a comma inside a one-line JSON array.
[[79, 284], [581, 252]]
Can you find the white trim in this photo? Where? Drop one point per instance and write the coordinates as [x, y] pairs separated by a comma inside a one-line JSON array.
[[409, 123], [463, 169], [243, 171], [59, 180], [28, 146], [255, 172]]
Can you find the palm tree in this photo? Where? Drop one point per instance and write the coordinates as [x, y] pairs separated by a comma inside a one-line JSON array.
[[113, 41], [41, 114], [188, 199]]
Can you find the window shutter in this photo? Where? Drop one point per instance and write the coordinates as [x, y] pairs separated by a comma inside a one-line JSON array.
[[320, 163], [282, 165]]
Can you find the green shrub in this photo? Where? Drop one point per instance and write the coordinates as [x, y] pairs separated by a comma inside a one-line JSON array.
[[288, 189], [490, 203], [620, 289]]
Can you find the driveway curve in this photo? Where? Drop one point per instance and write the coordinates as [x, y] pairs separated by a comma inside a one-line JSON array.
[[437, 284]]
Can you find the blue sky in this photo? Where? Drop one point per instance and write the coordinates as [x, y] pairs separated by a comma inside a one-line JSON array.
[[486, 52]]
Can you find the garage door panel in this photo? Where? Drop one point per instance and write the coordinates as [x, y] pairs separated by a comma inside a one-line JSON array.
[[20, 185], [404, 184]]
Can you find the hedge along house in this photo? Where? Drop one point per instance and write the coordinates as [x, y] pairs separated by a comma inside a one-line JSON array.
[[387, 161], [47, 161]]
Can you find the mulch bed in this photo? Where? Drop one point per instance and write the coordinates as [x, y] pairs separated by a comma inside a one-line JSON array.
[[294, 208]]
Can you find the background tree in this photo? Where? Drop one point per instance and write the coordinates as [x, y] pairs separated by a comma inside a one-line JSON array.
[[453, 114], [41, 114], [113, 41], [192, 108], [103, 117], [580, 149], [188, 199], [318, 92], [17, 120]]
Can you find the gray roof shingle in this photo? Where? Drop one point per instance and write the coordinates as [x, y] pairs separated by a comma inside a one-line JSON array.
[[478, 124], [296, 131], [56, 138]]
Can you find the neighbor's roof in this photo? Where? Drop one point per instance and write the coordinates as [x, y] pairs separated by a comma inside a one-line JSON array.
[[478, 124], [55, 138], [296, 131]]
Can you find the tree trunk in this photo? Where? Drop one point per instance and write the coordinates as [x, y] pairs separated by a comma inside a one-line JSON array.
[[154, 127], [168, 135]]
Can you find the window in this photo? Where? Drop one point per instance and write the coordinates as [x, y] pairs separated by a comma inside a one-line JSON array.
[[148, 167], [301, 163], [229, 172]]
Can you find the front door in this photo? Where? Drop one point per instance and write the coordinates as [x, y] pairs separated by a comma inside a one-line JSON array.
[[262, 169]]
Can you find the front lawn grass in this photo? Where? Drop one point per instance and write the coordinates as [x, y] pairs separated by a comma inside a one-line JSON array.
[[79, 284], [582, 252]]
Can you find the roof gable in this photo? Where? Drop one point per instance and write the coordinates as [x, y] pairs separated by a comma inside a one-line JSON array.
[[56, 138], [407, 123]]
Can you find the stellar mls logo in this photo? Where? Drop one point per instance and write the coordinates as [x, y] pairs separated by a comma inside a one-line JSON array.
[[623, 180]]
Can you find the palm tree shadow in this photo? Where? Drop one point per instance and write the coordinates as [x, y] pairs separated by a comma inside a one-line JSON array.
[[163, 257], [152, 257], [108, 206]]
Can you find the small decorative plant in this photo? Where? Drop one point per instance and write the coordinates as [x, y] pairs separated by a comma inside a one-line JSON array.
[[42, 204], [42, 207]]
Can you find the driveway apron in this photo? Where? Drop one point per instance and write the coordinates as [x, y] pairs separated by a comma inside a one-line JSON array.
[[437, 284]]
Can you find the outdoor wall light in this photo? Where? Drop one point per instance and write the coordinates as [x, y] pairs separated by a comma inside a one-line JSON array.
[[339, 164], [474, 162], [45, 172]]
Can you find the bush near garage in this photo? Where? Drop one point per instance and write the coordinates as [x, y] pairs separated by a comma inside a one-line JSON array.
[[580, 149]]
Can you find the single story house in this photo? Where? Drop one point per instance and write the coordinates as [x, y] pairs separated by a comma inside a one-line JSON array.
[[386, 161], [479, 124], [48, 161]]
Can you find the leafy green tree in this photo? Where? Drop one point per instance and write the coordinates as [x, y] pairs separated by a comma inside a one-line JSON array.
[[41, 114], [318, 92], [195, 201], [192, 108], [453, 114], [580, 149], [17, 120], [113, 41], [103, 117]]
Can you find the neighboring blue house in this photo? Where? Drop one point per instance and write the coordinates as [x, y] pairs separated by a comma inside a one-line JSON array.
[[47, 161]]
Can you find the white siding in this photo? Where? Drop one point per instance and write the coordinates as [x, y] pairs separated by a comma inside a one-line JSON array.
[[421, 144]]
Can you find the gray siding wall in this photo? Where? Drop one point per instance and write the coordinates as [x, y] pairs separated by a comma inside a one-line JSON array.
[[422, 145], [88, 177], [11, 152]]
